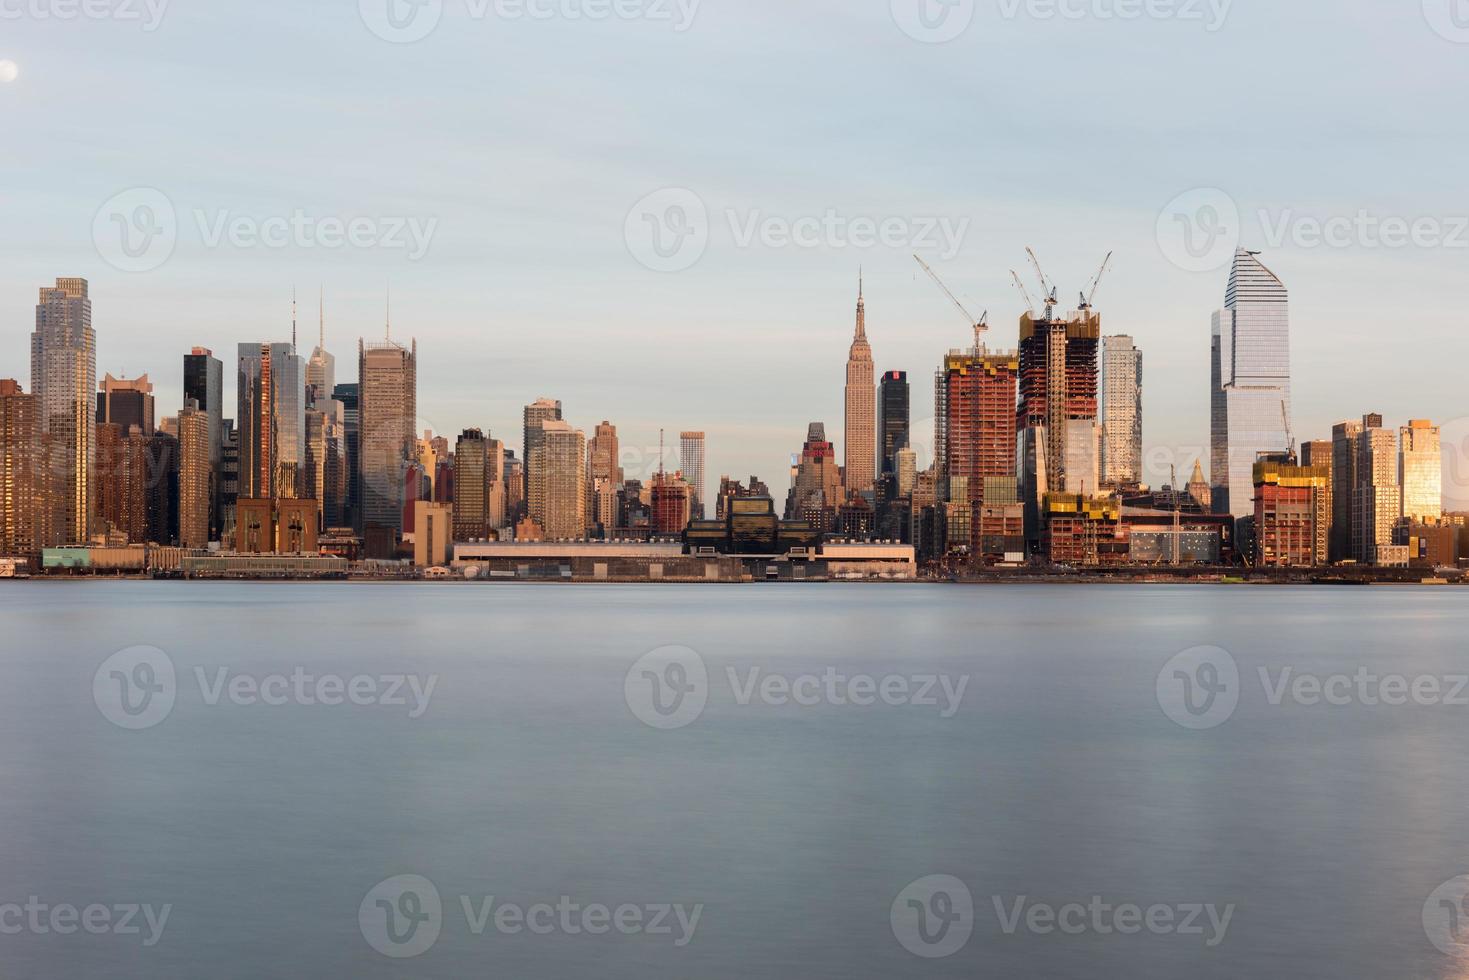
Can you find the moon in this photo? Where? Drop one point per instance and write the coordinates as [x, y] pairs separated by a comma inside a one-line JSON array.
[[9, 71]]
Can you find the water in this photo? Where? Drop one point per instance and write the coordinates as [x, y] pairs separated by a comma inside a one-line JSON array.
[[793, 828]]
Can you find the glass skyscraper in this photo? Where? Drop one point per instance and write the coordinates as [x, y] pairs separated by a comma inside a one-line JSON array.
[[272, 421], [892, 418], [1122, 411], [1250, 381]]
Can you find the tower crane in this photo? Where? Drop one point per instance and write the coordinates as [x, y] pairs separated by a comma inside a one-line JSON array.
[[1290, 436], [1091, 291], [1029, 303], [979, 326], [1048, 289]]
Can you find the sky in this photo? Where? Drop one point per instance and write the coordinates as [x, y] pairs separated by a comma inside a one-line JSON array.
[[656, 210]]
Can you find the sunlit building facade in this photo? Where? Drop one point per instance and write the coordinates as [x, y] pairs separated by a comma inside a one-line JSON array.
[[1250, 388], [1420, 471], [1122, 412]]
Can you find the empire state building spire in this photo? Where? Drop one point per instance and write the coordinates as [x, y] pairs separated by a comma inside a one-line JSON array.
[[861, 430]]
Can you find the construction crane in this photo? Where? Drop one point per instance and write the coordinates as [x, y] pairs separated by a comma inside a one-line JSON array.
[[1029, 303], [1091, 290], [979, 326], [1048, 289], [1290, 435]]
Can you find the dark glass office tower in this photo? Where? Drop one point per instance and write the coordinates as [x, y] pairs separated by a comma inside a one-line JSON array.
[[892, 417], [347, 394]]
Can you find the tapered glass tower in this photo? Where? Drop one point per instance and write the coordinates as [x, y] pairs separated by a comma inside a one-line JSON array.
[[1250, 381]]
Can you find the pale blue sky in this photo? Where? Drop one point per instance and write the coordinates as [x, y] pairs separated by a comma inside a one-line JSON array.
[[529, 141]]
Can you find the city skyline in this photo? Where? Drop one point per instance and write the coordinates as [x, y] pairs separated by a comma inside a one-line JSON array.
[[523, 255], [321, 366]]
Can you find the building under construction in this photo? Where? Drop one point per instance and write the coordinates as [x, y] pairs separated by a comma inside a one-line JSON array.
[[1292, 513], [978, 413], [1058, 436], [1083, 530]]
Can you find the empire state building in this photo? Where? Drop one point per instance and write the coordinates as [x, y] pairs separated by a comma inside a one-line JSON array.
[[861, 435]]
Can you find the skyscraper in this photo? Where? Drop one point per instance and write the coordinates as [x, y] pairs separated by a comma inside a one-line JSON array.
[[1344, 437], [21, 500], [979, 392], [195, 476], [1122, 412], [861, 432], [161, 492], [388, 410], [603, 454], [348, 396], [126, 403], [893, 415], [1250, 381], [271, 395], [1420, 471], [539, 411], [1057, 435], [204, 385], [1378, 499], [63, 378], [472, 481], [558, 484], [816, 484], [691, 449], [321, 369]]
